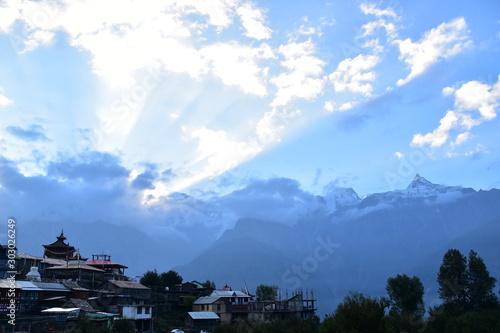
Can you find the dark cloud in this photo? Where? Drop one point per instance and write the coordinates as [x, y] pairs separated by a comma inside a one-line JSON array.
[[276, 199], [144, 181], [89, 167], [31, 134]]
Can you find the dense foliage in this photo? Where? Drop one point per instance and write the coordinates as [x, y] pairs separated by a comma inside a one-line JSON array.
[[466, 288], [153, 279], [266, 293]]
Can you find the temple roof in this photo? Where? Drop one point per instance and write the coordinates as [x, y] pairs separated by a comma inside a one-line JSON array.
[[59, 249], [104, 264]]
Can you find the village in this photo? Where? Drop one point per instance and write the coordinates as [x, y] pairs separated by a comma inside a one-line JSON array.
[[63, 291]]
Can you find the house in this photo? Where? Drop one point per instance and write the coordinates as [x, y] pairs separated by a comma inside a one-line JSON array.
[[112, 270], [4, 268], [10, 294], [197, 321], [81, 304], [141, 314], [128, 288], [77, 291], [216, 304], [297, 306], [34, 296]]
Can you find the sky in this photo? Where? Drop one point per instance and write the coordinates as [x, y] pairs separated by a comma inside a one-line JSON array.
[[110, 108]]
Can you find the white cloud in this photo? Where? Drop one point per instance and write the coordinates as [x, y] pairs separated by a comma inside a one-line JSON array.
[[38, 38], [8, 15], [141, 34], [3, 99], [399, 154], [439, 136], [371, 9], [272, 125], [374, 44], [480, 149], [447, 91], [475, 95], [253, 21], [347, 106], [471, 96], [236, 64], [352, 74], [220, 152], [461, 138], [302, 79], [445, 41], [372, 27], [329, 106]]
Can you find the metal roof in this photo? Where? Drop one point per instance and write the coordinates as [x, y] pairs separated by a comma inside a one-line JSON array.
[[60, 310], [75, 266], [104, 263], [28, 286], [203, 315], [6, 284], [206, 300], [128, 284], [51, 286], [229, 293]]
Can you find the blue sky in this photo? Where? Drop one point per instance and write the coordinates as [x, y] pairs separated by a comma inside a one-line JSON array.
[[205, 97]]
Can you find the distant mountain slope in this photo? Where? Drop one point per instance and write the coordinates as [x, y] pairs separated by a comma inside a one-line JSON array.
[[358, 246]]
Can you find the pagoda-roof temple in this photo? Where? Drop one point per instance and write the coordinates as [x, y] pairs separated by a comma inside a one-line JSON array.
[[61, 250]]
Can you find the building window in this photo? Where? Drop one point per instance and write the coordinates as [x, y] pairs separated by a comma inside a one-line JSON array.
[[139, 310], [147, 309], [218, 307]]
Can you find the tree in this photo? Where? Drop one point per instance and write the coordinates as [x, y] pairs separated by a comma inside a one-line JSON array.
[[480, 283], [209, 284], [452, 278], [266, 293], [151, 279], [123, 326], [356, 313], [170, 279], [406, 295]]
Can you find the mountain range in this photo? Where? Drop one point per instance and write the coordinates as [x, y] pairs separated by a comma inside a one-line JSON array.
[[356, 244], [273, 232]]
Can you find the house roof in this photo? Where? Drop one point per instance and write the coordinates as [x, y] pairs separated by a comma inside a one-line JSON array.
[[128, 284], [53, 261], [203, 315], [207, 300], [60, 310], [104, 264], [5, 284], [47, 286], [76, 267], [73, 285], [27, 256], [229, 293], [81, 304], [28, 286]]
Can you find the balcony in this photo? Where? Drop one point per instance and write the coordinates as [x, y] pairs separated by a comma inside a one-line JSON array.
[[240, 308]]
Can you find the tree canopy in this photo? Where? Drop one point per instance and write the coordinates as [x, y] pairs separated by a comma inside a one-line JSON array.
[[406, 294], [266, 293]]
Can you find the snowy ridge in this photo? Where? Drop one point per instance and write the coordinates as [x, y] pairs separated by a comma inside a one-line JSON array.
[[340, 197], [419, 188]]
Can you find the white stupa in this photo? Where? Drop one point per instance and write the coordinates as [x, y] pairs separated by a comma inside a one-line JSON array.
[[33, 275]]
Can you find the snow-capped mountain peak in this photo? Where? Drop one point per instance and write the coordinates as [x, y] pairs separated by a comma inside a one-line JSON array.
[[340, 196], [419, 188]]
